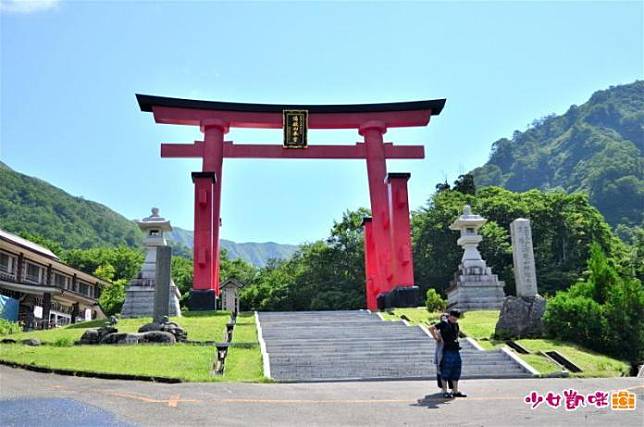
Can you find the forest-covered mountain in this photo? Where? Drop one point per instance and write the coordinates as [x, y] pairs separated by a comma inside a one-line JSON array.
[[32, 206], [595, 147], [257, 254]]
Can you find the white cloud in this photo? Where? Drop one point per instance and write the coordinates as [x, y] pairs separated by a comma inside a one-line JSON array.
[[27, 6]]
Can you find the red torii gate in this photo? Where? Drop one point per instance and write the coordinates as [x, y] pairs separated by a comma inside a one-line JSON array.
[[388, 252]]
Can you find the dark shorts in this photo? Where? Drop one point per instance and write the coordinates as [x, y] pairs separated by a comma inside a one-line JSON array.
[[451, 365]]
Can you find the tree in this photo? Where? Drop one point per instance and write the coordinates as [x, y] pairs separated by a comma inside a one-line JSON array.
[[434, 302], [112, 297], [595, 148], [442, 186], [182, 274], [465, 184], [563, 226], [236, 268], [321, 275], [55, 247], [601, 274], [125, 261], [603, 311]]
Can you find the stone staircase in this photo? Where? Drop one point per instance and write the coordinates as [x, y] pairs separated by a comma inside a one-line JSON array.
[[358, 345]]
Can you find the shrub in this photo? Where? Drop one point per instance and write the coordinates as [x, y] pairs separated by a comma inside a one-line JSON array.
[[576, 318], [7, 327], [434, 302], [605, 312], [624, 311]]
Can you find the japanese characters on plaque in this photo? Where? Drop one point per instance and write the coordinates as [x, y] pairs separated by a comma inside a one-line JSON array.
[[296, 124]]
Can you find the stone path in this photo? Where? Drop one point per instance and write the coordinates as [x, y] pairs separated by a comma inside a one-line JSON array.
[[357, 345]]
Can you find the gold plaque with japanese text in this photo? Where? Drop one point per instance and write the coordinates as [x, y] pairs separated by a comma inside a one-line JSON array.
[[296, 125]]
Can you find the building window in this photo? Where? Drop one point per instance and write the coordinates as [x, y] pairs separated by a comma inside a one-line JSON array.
[[84, 289], [33, 273], [61, 281], [7, 263]]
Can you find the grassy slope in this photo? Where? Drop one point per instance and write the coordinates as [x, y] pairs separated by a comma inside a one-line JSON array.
[[184, 361], [209, 327], [480, 326]]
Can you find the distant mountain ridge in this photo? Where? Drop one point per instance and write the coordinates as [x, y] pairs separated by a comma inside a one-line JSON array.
[[595, 147], [31, 205], [257, 254]]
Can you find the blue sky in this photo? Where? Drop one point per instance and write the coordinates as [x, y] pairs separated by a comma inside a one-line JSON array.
[[69, 72]]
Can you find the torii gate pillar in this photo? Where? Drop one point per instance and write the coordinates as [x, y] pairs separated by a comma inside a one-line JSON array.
[[388, 261], [202, 295]]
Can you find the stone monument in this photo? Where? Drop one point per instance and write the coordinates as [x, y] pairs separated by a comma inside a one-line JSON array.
[[474, 286], [163, 281], [522, 316], [139, 294], [525, 274]]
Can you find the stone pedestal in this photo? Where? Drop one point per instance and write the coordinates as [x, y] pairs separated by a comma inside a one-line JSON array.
[[139, 294], [475, 292], [202, 300], [474, 286], [521, 317]]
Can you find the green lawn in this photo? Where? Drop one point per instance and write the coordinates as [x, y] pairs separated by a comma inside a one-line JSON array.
[[415, 315], [480, 325], [187, 362], [245, 330], [208, 326], [593, 364]]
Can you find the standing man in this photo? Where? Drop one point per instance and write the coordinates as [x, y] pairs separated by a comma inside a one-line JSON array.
[[450, 364]]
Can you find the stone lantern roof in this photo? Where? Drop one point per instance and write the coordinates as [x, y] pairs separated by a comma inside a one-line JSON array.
[[468, 220], [154, 222]]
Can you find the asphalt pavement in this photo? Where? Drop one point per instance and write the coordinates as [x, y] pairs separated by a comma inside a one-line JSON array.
[[33, 399]]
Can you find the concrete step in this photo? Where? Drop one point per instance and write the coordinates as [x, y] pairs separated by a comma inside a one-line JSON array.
[[424, 370], [377, 370], [349, 348], [303, 374], [393, 376], [471, 357], [336, 346]]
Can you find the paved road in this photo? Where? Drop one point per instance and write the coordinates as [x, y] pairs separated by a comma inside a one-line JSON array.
[[61, 400]]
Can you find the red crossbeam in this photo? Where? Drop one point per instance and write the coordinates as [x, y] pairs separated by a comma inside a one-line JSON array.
[[262, 151], [194, 117]]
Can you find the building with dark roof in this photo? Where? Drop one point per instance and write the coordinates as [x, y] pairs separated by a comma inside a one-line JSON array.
[[43, 291]]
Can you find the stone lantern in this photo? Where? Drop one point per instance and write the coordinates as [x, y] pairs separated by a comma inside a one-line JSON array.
[[139, 294], [474, 287]]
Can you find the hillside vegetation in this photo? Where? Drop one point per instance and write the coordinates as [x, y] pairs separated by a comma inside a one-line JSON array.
[[30, 205], [38, 210], [595, 147]]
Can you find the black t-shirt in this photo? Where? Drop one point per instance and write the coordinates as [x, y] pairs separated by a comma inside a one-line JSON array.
[[449, 333]]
